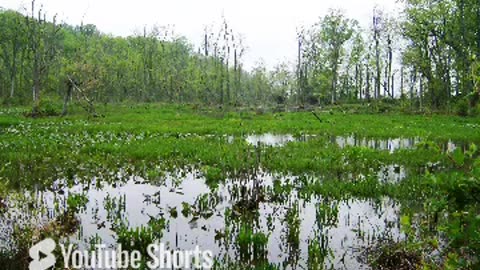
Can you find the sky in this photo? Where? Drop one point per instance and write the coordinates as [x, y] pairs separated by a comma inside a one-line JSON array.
[[267, 26]]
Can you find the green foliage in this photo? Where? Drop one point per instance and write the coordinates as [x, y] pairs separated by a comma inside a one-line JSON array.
[[335, 63], [316, 255], [76, 202], [146, 67], [140, 237], [327, 214], [50, 107], [323, 49], [462, 107], [292, 221], [213, 175], [151, 140], [253, 246], [452, 209]]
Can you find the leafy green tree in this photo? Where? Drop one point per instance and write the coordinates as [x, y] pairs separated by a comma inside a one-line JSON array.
[[13, 47]]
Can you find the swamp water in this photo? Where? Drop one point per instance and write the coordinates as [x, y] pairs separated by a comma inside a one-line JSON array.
[[391, 173], [254, 219], [232, 219], [390, 144]]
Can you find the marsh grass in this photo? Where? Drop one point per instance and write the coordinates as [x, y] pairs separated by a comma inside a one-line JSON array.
[[152, 140]]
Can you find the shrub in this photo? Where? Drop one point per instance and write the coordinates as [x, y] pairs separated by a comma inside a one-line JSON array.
[[50, 107], [462, 107]]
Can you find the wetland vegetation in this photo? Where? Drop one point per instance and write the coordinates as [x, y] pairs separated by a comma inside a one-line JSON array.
[[360, 155], [277, 190]]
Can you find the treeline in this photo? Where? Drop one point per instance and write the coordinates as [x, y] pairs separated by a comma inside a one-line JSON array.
[[80, 63], [427, 58]]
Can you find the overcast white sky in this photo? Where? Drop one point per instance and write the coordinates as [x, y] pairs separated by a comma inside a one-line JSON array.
[[269, 26]]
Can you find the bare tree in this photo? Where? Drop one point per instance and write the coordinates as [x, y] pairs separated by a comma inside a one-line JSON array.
[[43, 46]]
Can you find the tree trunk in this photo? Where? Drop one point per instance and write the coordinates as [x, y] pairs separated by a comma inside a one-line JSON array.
[[377, 64], [420, 96], [12, 86], [392, 91], [361, 82], [67, 98], [299, 71], [335, 78], [334, 86], [401, 82], [367, 90], [356, 81], [36, 85], [413, 82], [390, 60]]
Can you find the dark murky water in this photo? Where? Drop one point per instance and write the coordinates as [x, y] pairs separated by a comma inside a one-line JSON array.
[[216, 214]]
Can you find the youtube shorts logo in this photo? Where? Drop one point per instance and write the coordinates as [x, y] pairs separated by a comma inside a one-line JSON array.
[[42, 255]]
